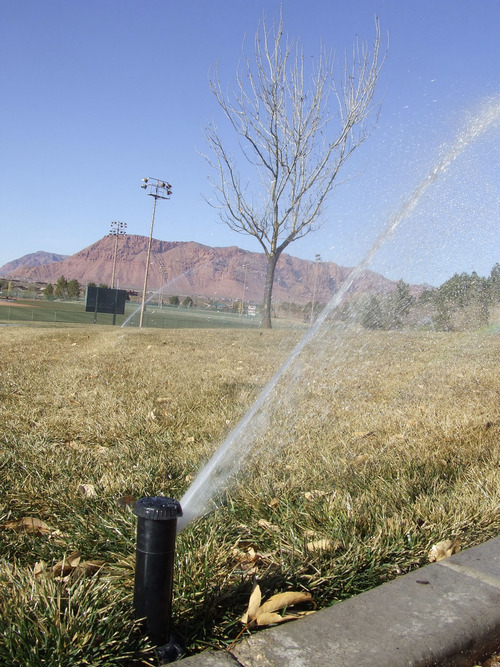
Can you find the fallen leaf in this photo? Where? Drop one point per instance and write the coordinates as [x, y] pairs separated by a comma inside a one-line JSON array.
[[268, 526], [312, 495], [30, 524], [126, 501], [265, 614], [321, 545], [282, 600], [253, 605], [67, 564], [91, 566], [71, 566], [39, 568], [443, 550], [249, 561], [87, 490], [268, 618]]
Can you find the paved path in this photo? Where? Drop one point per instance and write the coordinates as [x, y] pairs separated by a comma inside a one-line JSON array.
[[447, 613]]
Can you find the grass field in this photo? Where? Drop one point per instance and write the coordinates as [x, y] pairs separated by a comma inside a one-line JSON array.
[[388, 444], [167, 317]]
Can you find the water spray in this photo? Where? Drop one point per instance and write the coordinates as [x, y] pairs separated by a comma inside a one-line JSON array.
[[237, 446], [154, 571]]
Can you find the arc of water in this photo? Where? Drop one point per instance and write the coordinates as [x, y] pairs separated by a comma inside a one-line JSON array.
[[204, 487]]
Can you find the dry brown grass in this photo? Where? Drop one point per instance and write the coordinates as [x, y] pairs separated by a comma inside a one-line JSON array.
[[381, 445]]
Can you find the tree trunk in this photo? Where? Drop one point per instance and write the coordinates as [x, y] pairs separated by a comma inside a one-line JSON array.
[[272, 260]]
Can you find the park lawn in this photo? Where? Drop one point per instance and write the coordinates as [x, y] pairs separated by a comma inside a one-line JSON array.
[[36, 311], [384, 443]]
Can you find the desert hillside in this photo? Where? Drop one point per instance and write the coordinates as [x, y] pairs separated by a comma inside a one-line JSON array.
[[189, 268]]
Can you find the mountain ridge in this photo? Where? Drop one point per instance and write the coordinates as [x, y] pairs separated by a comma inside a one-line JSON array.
[[38, 258], [190, 268]]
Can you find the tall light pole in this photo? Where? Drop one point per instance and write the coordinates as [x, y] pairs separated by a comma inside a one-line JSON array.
[[158, 190], [244, 288], [116, 229], [317, 260], [164, 274]]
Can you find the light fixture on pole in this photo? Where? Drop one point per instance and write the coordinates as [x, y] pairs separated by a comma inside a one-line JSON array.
[[158, 190], [116, 229]]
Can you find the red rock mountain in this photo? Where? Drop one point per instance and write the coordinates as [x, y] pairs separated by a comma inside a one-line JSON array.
[[192, 269], [38, 258]]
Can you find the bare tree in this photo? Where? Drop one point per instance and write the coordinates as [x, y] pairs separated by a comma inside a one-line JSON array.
[[296, 124]]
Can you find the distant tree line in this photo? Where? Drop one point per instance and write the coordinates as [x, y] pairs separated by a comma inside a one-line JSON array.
[[63, 289], [71, 289], [465, 301]]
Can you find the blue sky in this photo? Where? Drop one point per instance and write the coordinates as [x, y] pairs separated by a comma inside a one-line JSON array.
[[97, 94]]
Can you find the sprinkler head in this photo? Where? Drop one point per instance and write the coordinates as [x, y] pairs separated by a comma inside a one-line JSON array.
[[154, 571]]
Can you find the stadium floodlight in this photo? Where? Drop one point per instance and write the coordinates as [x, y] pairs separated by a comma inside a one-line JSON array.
[[116, 229], [158, 190]]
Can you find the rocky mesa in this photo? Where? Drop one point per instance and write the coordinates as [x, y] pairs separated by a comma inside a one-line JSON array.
[[193, 269]]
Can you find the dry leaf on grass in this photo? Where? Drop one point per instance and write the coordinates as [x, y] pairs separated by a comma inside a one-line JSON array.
[[282, 600], [272, 618], [253, 606], [443, 550], [66, 565], [321, 545], [268, 526], [265, 614], [126, 501], [70, 566], [87, 490], [39, 568], [312, 495], [249, 561], [31, 524]]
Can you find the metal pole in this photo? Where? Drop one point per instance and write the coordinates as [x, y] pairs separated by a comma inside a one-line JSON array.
[[114, 308], [96, 304], [114, 263], [117, 229], [244, 288], [158, 190], [148, 259]]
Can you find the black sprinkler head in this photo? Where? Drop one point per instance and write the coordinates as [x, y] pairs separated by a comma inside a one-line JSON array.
[[154, 571]]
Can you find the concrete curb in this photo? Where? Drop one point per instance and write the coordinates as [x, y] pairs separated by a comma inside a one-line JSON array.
[[445, 614]]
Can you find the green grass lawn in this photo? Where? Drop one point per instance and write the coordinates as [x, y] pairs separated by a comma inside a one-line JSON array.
[[380, 445], [73, 312]]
